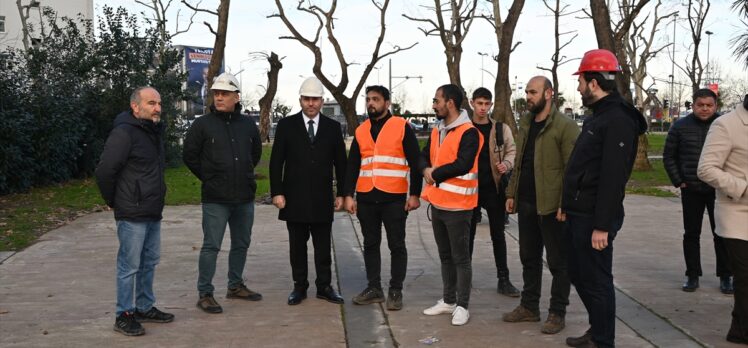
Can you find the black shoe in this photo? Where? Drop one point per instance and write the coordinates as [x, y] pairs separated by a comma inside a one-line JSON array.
[[208, 304], [127, 325], [368, 296], [506, 288], [154, 315], [581, 340], [691, 284], [296, 296], [330, 295], [394, 300], [725, 285]]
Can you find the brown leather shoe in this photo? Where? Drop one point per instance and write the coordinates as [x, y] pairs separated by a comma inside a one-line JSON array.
[[554, 324], [521, 314], [581, 340]]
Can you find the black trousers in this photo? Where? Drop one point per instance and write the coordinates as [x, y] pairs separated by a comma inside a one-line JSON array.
[[694, 203], [298, 235], [494, 204], [591, 272], [393, 216], [535, 233], [451, 233], [737, 251]]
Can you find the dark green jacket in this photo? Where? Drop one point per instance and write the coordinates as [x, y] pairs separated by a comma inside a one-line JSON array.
[[553, 147]]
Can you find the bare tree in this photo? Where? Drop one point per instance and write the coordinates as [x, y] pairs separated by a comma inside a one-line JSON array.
[[159, 10], [556, 58], [697, 11], [325, 19], [266, 102], [613, 40], [451, 33], [504, 30], [219, 45], [24, 11], [640, 52]]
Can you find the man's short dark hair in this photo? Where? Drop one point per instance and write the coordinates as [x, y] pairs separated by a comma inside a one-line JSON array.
[[135, 95], [482, 92], [383, 91], [705, 93], [605, 84], [453, 93]]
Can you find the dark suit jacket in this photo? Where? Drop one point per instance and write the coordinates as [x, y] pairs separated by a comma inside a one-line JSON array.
[[302, 171]]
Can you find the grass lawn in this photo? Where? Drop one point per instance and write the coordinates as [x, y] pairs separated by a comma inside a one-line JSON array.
[[656, 143], [26, 216]]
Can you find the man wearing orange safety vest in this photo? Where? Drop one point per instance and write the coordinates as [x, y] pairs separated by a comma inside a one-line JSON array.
[[450, 167], [383, 156]]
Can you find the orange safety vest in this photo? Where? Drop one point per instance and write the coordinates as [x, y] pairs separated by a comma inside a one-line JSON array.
[[383, 164], [460, 193]]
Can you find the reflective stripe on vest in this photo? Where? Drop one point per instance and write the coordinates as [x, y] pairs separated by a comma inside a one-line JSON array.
[[460, 192], [383, 163]]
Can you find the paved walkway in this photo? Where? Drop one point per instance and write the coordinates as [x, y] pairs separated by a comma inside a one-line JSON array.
[[60, 291]]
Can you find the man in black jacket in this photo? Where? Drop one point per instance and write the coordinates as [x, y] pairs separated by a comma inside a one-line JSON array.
[[130, 177], [681, 158], [306, 148], [222, 149], [593, 192]]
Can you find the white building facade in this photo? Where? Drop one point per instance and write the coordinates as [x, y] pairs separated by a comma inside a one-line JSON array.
[[11, 33]]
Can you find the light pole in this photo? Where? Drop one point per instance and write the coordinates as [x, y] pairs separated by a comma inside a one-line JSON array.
[[482, 55], [672, 67], [708, 46]]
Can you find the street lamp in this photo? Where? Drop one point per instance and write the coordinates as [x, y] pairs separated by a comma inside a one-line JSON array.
[[708, 45], [482, 55], [672, 67]]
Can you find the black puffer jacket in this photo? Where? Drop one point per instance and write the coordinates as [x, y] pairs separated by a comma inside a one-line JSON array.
[[683, 149], [130, 174], [222, 150], [601, 162]]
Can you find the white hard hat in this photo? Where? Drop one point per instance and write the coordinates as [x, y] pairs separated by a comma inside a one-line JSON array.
[[225, 82], [311, 87]]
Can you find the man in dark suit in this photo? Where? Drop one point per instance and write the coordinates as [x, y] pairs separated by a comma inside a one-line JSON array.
[[307, 147]]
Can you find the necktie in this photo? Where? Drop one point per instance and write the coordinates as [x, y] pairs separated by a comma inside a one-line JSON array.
[[310, 130]]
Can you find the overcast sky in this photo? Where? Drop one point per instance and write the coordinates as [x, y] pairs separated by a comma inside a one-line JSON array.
[[357, 27]]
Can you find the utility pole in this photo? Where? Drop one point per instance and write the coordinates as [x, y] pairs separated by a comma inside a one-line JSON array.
[[672, 68], [708, 47]]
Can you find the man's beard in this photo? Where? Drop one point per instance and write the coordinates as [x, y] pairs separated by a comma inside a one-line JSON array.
[[537, 108], [373, 113], [587, 98]]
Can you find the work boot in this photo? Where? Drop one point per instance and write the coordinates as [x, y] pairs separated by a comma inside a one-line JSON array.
[[242, 292], [725, 285], [554, 324], [506, 288], [691, 284], [521, 314], [368, 296], [581, 340], [208, 304]]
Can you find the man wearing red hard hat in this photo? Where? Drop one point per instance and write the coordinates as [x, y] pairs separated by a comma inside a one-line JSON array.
[[594, 186]]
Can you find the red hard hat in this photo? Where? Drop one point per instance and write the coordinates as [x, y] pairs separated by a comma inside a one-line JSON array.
[[599, 60]]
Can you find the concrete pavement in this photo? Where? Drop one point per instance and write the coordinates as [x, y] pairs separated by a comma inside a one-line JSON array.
[[60, 291]]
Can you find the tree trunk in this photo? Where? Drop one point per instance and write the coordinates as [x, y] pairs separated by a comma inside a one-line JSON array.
[[266, 102], [216, 60], [502, 110], [604, 34]]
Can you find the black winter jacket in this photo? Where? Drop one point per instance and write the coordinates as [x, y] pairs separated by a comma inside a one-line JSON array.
[[601, 162], [222, 150], [130, 174], [683, 149]]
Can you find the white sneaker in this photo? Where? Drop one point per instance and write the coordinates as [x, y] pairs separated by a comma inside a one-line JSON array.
[[460, 316], [440, 308]]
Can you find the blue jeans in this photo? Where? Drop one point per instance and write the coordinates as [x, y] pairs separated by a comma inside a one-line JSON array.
[[138, 255], [240, 218]]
